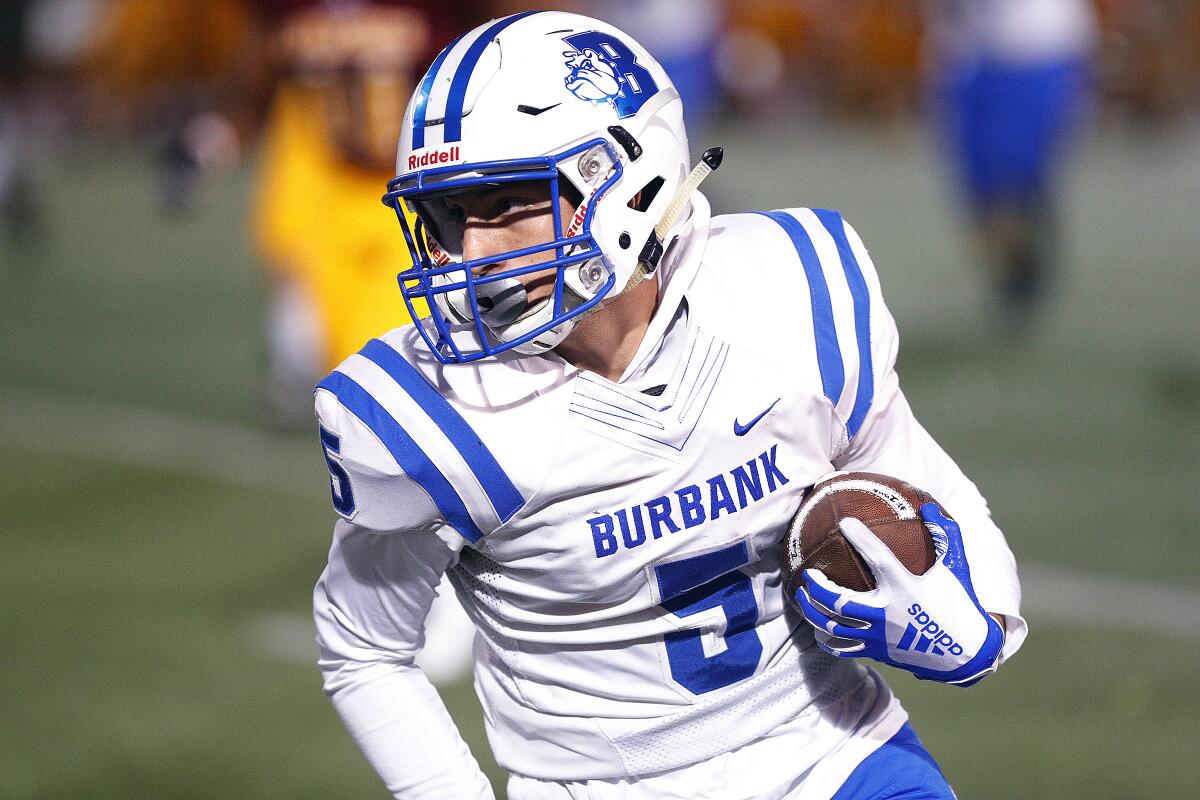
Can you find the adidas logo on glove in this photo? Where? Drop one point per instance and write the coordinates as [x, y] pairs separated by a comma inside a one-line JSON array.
[[932, 639]]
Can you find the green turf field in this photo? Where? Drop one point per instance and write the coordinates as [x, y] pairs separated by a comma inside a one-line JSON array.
[[143, 537]]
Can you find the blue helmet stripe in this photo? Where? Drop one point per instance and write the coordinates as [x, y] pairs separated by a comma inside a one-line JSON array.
[[462, 76], [491, 476], [418, 137], [829, 352], [407, 453], [836, 226]]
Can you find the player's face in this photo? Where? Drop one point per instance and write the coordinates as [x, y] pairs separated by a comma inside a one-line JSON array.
[[500, 219]]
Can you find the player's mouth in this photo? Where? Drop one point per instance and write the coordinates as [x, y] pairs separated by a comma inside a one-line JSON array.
[[507, 300]]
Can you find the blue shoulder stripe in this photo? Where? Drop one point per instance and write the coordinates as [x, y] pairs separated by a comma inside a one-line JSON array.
[[418, 135], [829, 353], [836, 226], [407, 453], [495, 481], [462, 76]]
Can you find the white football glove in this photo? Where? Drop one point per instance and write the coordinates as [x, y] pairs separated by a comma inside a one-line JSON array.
[[930, 625]]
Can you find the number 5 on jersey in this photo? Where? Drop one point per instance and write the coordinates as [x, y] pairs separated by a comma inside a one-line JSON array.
[[699, 583], [343, 495]]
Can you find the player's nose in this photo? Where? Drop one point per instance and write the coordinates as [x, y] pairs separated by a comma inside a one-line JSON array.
[[481, 240]]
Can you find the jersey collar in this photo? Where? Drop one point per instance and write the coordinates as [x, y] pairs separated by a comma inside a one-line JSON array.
[[676, 273]]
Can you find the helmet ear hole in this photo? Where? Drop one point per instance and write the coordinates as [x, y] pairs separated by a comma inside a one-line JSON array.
[[645, 196]]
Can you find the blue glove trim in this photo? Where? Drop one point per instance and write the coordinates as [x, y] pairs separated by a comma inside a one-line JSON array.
[[978, 667], [955, 559], [954, 556], [819, 619]]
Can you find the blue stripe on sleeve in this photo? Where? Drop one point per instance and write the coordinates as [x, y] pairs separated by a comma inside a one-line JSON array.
[[495, 481], [836, 226], [408, 455], [829, 353], [462, 76], [418, 135]]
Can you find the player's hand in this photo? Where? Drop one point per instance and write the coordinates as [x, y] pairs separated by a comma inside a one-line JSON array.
[[931, 625]]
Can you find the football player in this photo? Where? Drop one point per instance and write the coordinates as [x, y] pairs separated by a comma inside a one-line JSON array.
[[1010, 81], [344, 71], [601, 432]]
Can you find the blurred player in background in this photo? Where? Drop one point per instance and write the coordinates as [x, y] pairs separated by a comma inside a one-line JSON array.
[[322, 84], [600, 432], [42, 45], [161, 66], [345, 72], [1010, 79], [17, 206]]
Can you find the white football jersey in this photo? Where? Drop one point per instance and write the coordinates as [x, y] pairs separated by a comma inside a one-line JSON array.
[[618, 544]]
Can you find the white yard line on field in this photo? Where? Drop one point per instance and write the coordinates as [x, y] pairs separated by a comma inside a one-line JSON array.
[[247, 457], [1057, 593], [163, 441]]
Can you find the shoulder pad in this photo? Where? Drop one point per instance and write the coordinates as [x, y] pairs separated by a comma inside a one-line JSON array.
[[409, 457], [853, 332]]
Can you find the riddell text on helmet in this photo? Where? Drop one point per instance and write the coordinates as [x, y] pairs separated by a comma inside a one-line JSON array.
[[430, 157]]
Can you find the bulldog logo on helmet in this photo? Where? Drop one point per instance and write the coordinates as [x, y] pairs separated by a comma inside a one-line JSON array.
[[593, 77], [604, 69]]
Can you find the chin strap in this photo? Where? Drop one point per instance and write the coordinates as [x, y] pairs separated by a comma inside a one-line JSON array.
[[652, 251]]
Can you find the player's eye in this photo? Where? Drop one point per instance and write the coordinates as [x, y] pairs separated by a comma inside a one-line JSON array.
[[511, 204]]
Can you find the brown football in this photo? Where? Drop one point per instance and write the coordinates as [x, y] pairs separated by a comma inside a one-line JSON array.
[[890, 507]]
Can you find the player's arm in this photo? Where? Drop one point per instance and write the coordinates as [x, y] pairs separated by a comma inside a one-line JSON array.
[[893, 442], [389, 553], [975, 576], [370, 607]]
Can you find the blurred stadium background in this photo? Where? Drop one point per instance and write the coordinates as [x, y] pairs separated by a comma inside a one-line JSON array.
[[163, 503]]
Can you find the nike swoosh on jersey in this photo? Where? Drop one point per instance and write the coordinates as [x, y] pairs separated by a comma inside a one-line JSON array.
[[742, 430]]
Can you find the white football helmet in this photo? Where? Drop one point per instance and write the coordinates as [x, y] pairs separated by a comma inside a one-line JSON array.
[[546, 96]]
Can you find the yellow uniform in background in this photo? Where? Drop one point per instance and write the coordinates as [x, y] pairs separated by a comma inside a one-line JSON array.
[[318, 221], [331, 249]]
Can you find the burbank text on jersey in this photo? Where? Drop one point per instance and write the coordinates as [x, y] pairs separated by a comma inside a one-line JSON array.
[[611, 517], [689, 506]]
